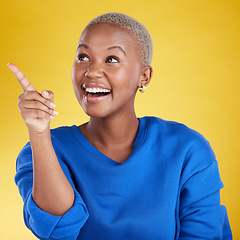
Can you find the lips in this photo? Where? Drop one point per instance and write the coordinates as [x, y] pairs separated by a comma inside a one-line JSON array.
[[95, 92], [95, 85]]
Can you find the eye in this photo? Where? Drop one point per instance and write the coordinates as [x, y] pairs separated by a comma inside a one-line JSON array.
[[112, 59], [82, 58]]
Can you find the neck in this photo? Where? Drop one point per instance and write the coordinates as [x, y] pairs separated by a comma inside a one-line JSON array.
[[112, 131]]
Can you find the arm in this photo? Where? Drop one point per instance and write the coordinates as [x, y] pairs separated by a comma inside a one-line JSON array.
[[201, 216], [41, 223], [50, 189]]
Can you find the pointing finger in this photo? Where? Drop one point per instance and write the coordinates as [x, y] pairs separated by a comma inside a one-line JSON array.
[[26, 85]]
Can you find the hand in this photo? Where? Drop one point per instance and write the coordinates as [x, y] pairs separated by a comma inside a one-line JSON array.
[[37, 109]]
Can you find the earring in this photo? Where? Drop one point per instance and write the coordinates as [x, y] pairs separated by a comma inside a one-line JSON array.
[[142, 90]]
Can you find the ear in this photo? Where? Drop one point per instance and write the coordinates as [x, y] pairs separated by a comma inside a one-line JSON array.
[[145, 77]]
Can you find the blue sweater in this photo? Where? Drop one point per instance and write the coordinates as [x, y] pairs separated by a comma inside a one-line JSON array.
[[169, 188]]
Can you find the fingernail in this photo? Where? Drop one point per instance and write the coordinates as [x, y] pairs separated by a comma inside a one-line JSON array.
[[51, 117], [46, 93], [52, 105], [55, 112], [8, 64]]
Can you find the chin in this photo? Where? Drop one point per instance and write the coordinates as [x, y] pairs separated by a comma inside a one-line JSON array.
[[96, 111]]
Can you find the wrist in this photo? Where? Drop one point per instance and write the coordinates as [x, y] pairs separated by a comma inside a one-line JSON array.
[[39, 135]]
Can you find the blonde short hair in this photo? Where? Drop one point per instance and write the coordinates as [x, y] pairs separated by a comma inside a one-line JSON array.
[[136, 28]]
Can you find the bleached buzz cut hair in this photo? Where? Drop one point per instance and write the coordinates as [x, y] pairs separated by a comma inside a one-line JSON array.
[[136, 28]]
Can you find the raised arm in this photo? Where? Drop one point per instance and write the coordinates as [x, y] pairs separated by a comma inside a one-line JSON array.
[[52, 191]]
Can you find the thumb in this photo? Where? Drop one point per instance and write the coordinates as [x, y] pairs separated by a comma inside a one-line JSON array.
[[48, 95]]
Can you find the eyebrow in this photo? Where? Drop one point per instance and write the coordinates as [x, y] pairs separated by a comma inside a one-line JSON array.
[[118, 47], [82, 45]]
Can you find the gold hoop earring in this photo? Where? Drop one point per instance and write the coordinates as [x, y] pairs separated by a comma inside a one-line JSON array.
[[142, 90]]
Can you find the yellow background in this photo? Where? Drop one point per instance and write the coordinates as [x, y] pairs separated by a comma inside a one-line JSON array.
[[196, 78]]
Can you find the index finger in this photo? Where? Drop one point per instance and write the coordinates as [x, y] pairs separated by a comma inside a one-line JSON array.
[[26, 85]]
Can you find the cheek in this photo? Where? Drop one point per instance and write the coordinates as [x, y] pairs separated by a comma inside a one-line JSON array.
[[125, 84], [77, 75], [127, 76], [76, 81], [75, 72]]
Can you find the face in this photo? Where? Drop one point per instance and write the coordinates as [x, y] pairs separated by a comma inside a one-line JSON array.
[[107, 70]]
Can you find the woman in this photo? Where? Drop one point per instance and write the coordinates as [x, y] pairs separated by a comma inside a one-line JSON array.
[[116, 176]]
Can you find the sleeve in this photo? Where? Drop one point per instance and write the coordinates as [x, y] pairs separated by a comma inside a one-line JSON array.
[[201, 216], [41, 223]]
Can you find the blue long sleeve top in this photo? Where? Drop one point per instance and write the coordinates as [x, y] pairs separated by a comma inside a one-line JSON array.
[[168, 188]]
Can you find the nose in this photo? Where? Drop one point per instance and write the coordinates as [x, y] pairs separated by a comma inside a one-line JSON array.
[[94, 70]]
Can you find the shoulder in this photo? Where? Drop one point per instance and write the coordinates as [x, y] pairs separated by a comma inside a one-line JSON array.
[[174, 129], [183, 140]]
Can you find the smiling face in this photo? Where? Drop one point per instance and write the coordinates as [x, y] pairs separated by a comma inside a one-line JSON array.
[[107, 70]]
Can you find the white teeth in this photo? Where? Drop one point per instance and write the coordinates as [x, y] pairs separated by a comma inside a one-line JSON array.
[[97, 90]]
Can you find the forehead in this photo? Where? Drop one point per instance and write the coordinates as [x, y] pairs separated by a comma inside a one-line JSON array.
[[105, 35]]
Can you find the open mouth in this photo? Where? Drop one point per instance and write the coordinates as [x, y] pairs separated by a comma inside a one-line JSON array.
[[96, 92]]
